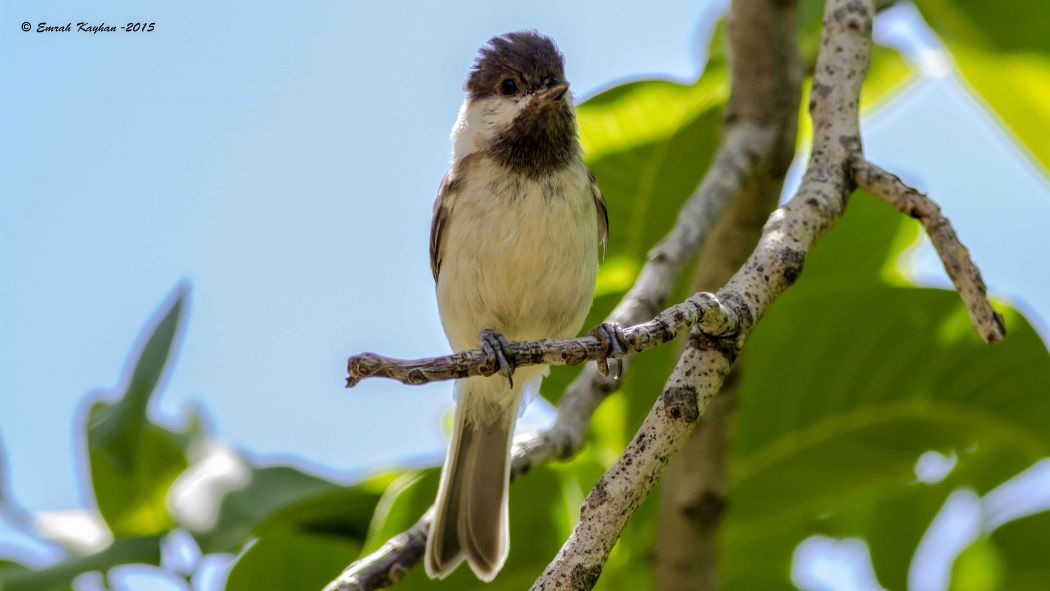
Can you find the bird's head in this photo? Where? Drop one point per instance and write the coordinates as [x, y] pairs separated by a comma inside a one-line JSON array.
[[518, 102]]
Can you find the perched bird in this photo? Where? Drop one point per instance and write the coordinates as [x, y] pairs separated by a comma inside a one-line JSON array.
[[514, 246]]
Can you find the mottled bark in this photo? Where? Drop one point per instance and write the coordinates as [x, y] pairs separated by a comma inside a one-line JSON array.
[[765, 79], [965, 275]]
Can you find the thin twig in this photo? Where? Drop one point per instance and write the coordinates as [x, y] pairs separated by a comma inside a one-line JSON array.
[[960, 267], [702, 309]]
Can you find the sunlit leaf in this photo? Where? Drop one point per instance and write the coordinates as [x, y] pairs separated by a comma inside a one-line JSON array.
[[133, 461], [282, 497], [979, 568], [1002, 49]]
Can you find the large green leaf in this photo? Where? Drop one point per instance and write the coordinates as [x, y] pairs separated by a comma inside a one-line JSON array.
[[133, 461], [284, 498], [842, 421], [1002, 49], [848, 379], [895, 522], [1021, 547], [649, 144], [291, 560]]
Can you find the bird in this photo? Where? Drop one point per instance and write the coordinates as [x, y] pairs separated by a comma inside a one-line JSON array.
[[519, 226]]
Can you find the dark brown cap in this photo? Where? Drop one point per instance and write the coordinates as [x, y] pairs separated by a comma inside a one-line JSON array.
[[530, 59]]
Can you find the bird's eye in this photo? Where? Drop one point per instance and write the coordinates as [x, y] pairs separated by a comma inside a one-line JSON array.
[[508, 87]]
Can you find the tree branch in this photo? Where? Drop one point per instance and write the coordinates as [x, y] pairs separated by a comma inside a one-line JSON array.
[[733, 165], [956, 259], [765, 78], [773, 266], [702, 309]]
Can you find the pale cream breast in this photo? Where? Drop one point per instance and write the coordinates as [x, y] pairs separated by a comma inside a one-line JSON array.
[[519, 255]]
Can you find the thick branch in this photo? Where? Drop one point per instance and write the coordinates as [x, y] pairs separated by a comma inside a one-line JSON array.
[[957, 262], [773, 266], [733, 165], [762, 45]]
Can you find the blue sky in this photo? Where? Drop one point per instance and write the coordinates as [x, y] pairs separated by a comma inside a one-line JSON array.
[[283, 160]]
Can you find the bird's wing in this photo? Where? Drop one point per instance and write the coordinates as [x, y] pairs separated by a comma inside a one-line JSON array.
[[603, 213], [442, 207]]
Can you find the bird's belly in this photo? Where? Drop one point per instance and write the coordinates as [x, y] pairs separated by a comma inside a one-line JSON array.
[[525, 267]]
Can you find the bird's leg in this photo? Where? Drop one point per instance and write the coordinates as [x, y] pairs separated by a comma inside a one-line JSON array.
[[615, 345], [493, 343]]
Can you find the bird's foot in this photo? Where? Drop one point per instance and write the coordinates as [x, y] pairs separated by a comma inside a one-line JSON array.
[[613, 343], [494, 344]]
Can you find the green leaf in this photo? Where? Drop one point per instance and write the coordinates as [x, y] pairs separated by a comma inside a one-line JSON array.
[[979, 568], [291, 560], [59, 577], [1014, 26], [402, 503], [281, 498], [883, 374], [1021, 548], [133, 461], [649, 144], [1002, 49], [847, 380]]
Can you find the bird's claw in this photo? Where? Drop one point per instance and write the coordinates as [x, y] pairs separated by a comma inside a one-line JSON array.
[[494, 344], [614, 345]]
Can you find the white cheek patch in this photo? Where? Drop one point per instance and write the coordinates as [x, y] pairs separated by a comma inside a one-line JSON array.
[[480, 121]]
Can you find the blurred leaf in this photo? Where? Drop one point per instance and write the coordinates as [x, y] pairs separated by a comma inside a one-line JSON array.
[[848, 415], [850, 379], [1021, 548], [893, 523], [402, 504], [133, 461], [649, 144], [291, 560], [979, 568], [1008, 26], [59, 577], [281, 497], [1003, 50]]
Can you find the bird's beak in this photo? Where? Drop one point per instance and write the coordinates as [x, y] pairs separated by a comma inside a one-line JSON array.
[[554, 92]]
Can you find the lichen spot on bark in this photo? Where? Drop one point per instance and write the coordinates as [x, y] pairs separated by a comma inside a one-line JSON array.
[[680, 403], [584, 578]]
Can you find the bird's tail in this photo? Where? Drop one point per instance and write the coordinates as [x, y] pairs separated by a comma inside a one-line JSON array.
[[470, 515]]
